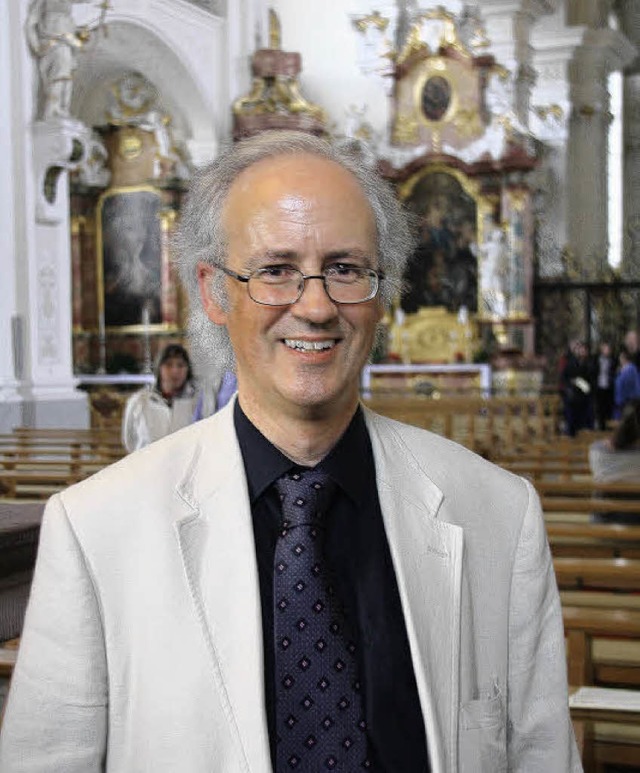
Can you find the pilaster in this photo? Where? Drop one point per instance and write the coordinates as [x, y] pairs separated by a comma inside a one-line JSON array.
[[629, 16], [509, 27], [10, 400], [602, 52]]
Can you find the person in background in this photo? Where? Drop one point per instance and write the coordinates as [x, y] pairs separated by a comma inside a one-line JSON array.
[[627, 384], [617, 459], [604, 370], [631, 345], [168, 405], [576, 383]]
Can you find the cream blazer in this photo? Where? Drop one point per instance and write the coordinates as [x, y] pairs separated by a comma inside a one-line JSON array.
[[142, 648]]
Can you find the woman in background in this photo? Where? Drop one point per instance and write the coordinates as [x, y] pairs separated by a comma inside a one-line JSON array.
[[156, 411]]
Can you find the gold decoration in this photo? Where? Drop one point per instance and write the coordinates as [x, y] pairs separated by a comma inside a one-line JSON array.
[[518, 199], [549, 111], [167, 218], [275, 30], [432, 334], [280, 94], [77, 224], [414, 45], [129, 145], [405, 128], [374, 19], [468, 122]]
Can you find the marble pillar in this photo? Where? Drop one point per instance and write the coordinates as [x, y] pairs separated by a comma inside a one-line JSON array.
[[603, 51], [629, 16], [11, 320]]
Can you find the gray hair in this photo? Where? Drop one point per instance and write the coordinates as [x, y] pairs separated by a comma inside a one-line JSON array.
[[201, 237]]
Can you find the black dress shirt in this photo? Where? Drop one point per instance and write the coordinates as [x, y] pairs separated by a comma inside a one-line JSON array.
[[357, 548]]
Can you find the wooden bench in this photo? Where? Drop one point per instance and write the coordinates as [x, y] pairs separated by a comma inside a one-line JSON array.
[[621, 574], [595, 540], [611, 666], [603, 649], [36, 484], [606, 722], [586, 487], [482, 424]]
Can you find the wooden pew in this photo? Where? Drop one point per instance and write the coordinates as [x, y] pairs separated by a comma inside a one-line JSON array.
[[603, 648], [622, 574], [587, 487], [583, 625], [607, 725], [481, 424], [38, 484], [595, 540]]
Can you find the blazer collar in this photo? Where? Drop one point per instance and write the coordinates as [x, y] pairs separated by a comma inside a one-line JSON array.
[[427, 558], [215, 537]]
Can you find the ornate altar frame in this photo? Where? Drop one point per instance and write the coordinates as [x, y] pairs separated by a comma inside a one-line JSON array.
[[147, 238]]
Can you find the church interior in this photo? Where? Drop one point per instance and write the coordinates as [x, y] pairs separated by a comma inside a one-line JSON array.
[[507, 128]]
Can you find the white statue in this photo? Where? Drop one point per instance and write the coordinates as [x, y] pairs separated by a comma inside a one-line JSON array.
[[54, 39], [493, 273]]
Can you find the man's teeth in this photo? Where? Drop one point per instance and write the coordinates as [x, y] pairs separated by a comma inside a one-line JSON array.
[[308, 346]]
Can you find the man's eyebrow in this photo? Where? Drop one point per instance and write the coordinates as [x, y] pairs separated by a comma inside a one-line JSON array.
[[268, 256], [350, 253], [255, 261]]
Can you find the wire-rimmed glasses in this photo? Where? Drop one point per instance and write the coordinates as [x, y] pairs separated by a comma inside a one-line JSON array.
[[284, 285]]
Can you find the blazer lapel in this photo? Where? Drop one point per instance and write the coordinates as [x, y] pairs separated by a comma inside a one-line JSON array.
[[427, 558], [216, 542]]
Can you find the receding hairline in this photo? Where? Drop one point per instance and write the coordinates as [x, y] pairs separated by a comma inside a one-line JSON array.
[[291, 158]]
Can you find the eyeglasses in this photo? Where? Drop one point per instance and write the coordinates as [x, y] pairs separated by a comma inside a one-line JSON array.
[[282, 285]]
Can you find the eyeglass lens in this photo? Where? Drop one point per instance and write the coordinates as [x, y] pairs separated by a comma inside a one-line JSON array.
[[283, 286]]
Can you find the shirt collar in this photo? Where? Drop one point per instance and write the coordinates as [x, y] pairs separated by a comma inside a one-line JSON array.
[[348, 463]]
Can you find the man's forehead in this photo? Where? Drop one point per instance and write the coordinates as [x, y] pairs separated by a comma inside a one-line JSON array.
[[275, 174]]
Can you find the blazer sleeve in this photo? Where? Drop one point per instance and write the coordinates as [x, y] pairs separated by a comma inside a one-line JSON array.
[[56, 712], [539, 730]]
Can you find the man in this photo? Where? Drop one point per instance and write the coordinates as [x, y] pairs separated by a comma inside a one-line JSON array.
[[193, 610]]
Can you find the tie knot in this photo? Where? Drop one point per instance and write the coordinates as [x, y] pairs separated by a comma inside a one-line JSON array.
[[305, 496]]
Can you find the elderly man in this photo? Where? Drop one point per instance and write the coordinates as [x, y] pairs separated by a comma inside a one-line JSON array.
[[295, 583]]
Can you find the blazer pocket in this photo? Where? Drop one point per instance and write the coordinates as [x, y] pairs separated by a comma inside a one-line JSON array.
[[483, 737], [484, 712]]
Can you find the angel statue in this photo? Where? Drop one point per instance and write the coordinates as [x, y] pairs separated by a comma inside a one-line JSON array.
[[54, 39]]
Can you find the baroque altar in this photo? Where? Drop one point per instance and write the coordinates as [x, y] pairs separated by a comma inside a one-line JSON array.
[[460, 160]]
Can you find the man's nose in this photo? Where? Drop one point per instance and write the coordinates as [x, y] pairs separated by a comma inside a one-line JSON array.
[[314, 304]]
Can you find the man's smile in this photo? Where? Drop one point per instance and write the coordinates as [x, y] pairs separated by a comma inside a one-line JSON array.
[[304, 345]]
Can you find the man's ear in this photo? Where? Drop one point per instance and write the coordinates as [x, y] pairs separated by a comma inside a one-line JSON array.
[[211, 306]]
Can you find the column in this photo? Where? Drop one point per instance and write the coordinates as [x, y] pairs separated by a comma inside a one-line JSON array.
[[629, 15], [602, 52], [39, 247], [11, 323], [509, 25]]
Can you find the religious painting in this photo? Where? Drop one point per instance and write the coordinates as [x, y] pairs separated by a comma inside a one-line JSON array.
[[130, 257], [436, 97], [443, 270]]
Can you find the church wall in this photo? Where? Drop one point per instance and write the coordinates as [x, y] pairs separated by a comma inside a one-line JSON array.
[[186, 52], [324, 34]]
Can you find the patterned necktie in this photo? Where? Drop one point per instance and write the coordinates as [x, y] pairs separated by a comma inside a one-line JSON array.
[[320, 721]]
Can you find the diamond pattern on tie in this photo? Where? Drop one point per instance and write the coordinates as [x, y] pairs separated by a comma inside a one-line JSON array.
[[319, 709]]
